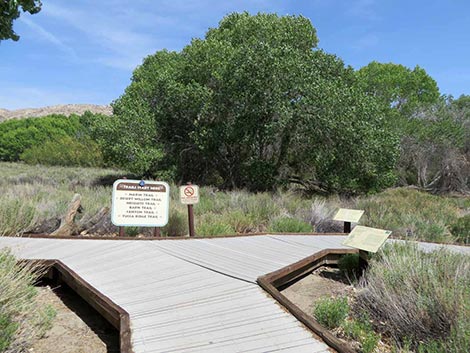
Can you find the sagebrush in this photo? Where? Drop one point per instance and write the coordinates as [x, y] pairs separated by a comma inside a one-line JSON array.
[[22, 319]]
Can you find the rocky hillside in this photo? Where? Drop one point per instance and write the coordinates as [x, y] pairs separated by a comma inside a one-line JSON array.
[[66, 109]]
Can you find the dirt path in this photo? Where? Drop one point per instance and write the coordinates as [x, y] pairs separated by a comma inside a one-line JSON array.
[[77, 328]]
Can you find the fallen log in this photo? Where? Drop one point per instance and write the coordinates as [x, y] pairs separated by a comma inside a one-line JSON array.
[[67, 224]]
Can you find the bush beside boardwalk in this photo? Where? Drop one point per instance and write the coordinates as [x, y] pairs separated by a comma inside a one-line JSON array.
[[21, 318], [410, 300], [36, 197]]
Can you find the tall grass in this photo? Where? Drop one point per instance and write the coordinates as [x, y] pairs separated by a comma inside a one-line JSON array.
[[32, 195], [411, 213], [419, 299], [21, 318]]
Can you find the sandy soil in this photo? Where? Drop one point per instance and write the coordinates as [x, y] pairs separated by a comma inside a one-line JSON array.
[[77, 328], [323, 282]]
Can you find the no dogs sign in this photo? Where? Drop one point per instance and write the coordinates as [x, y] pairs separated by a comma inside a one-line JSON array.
[[189, 194]]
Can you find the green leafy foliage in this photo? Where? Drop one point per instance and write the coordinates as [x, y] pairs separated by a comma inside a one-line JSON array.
[[16, 136], [10, 11], [65, 151], [461, 229], [331, 312], [254, 104], [434, 129], [361, 330], [7, 331], [349, 265], [398, 86]]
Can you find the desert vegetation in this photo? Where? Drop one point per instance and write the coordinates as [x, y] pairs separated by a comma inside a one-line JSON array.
[[279, 134], [22, 319], [49, 140], [36, 197], [408, 300]]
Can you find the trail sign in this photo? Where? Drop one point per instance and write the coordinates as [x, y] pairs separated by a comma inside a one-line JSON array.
[[189, 194], [367, 239], [140, 203], [348, 215]]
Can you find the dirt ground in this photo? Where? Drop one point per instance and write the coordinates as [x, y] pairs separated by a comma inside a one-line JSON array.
[[77, 328], [323, 282]]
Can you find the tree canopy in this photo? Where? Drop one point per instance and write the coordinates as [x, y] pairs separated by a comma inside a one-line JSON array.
[[254, 104], [10, 11], [398, 86]]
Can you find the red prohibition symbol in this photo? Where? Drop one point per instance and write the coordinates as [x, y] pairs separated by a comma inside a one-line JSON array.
[[188, 191]]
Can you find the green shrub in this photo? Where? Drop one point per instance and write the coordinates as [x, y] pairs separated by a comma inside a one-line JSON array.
[[65, 151], [460, 229], [18, 135], [289, 225], [21, 318], [410, 213], [331, 312], [422, 297], [349, 265], [7, 331], [131, 231], [242, 222], [361, 330], [214, 228], [177, 223]]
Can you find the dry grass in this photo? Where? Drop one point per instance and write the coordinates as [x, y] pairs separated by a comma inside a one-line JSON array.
[[21, 318], [418, 299], [32, 195]]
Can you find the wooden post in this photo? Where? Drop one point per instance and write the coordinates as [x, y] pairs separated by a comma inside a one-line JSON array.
[[156, 232], [347, 227], [121, 228], [191, 218], [363, 261]]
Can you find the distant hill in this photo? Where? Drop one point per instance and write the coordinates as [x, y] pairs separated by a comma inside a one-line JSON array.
[[66, 109]]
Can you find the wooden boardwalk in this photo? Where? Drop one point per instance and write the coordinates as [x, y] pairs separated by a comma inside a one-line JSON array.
[[192, 295]]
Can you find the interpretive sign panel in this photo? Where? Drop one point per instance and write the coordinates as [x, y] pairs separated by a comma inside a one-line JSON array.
[[189, 194], [365, 238], [140, 203], [347, 215]]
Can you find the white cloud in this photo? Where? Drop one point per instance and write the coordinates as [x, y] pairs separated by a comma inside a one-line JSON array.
[[47, 36], [119, 34], [110, 39]]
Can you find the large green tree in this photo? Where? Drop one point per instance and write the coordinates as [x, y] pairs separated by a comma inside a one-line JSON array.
[[254, 104], [10, 10], [431, 127], [401, 88]]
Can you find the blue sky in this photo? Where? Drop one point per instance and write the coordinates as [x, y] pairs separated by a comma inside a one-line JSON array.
[[85, 51]]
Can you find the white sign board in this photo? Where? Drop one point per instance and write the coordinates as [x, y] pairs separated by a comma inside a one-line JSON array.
[[365, 238], [140, 203], [347, 215], [189, 194]]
